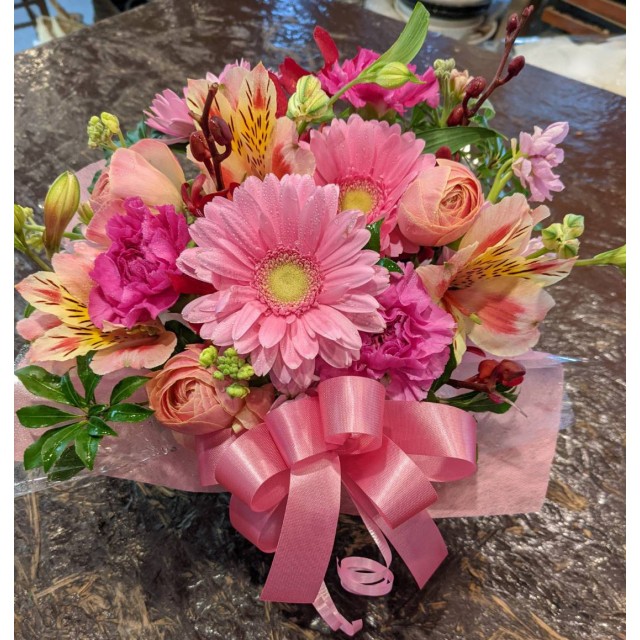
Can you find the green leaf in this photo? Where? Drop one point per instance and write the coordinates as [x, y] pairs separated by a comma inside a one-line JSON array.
[[446, 374], [42, 383], [184, 334], [88, 378], [72, 396], [28, 310], [98, 427], [54, 447], [67, 465], [32, 454], [374, 240], [454, 137], [41, 415], [477, 402], [126, 387], [410, 41], [86, 447], [127, 413], [390, 265]]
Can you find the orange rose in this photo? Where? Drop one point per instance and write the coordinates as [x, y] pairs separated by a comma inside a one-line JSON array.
[[440, 204], [187, 399]]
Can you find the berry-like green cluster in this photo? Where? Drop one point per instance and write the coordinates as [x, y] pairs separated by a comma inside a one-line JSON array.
[[228, 364]]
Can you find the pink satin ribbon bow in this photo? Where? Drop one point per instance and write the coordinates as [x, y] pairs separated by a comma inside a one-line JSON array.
[[287, 478]]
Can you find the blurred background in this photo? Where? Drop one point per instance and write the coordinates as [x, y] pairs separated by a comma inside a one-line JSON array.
[[580, 39]]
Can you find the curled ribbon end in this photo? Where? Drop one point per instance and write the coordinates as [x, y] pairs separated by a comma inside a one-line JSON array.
[[325, 606]]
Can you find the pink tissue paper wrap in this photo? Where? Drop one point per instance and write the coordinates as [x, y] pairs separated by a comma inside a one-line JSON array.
[[515, 449]]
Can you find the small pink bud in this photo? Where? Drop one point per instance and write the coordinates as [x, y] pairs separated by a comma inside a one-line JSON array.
[[445, 153], [512, 23], [516, 66], [476, 87], [199, 147], [456, 116], [220, 131]]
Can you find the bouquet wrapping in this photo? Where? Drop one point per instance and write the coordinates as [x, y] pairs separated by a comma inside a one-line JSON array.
[[317, 290]]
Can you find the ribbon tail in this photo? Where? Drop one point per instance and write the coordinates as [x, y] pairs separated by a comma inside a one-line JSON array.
[[418, 542], [328, 611], [308, 532]]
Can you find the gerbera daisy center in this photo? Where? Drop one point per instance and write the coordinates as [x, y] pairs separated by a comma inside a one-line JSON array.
[[287, 282], [359, 194]]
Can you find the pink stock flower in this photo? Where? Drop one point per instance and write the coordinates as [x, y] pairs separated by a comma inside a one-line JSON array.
[[169, 114], [187, 399], [414, 348], [134, 276], [538, 155], [147, 170], [400, 99], [372, 163], [292, 280], [489, 286], [60, 328]]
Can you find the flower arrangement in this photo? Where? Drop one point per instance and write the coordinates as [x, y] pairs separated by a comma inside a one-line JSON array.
[[288, 270]]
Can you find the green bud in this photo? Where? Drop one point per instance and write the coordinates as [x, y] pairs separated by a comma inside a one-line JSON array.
[[309, 103], [85, 213], [60, 204], [237, 390], [573, 225], [245, 372], [552, 236], [394, 75], [443, 68], [208, 356], [615, 257], [218, 375], [230, 352], [111, 122], [20, 215], [568, 248]]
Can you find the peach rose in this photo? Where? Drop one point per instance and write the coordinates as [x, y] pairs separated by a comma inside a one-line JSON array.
[[187, 399], [440, 204]]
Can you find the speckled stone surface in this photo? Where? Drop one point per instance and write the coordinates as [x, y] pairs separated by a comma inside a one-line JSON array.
[[113, 559]]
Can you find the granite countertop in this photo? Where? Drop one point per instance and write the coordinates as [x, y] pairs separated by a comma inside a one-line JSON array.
[[115, 559]]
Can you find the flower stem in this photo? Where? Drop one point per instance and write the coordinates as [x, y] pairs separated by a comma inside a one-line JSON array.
[[37, 259], [500, 182], [123, 142], [538, 253]]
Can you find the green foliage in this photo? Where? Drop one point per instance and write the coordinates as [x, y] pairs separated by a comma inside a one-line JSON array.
[[73, 443], [389, 265], [479, 401], [374, 240], [455, 138], [185, 335]]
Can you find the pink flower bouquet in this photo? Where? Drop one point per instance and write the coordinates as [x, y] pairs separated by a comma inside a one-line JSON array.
[[310, 310]]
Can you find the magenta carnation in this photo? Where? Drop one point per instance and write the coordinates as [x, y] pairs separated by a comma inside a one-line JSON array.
[[405, 97], [169, 114], [537, 156], [293, 281], [373, 163], [133, 277], [414, 348]]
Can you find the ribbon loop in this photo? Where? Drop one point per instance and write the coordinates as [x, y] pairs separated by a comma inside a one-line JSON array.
[[352, 410]]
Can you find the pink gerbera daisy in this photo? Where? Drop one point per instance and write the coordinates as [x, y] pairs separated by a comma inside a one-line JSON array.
[[293, 282], [373, 163]]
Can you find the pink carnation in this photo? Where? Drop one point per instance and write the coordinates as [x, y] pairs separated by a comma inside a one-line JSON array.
[[133, 277], [405, 97], [538, 156], [414, 348]]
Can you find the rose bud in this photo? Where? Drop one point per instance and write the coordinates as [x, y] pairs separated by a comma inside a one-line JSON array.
[[440, 204], [444, 153], [60, 204], [199, 147], [187, 399], [512, 23]]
